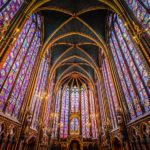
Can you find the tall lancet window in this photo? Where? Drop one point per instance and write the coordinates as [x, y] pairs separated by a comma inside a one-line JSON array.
[[140, 9], [93, 115], [8, 9], [64, 113], [75, 99], [39, 92], [16, 71], [131, 70], [56, 115], [75, 112], [110, 91], [85, 113]]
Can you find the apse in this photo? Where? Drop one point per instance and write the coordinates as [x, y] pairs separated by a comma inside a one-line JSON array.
[[74, 74]]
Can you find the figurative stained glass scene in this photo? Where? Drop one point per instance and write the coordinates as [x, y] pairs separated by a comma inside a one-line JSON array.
[[74, 75]]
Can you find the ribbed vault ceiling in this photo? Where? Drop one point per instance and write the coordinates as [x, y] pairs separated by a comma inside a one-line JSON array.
[[73, 30]]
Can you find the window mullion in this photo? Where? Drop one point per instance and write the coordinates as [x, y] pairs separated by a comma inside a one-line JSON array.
[[112, 98], [133, 59], [108, 94], [18, 73], [28, 68], [36, 104], [16, 57], [130, 75], [125, 80]]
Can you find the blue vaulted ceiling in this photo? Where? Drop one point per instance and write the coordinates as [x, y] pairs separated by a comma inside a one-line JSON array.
[[73, 29]]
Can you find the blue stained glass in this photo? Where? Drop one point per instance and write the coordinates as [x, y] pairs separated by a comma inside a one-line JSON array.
[[64, 113], [16, 71], [130, 52], [85, 113], [93, 115], [125, 82], [15, 50], [8, 12], [38, 93], [140, 12], [110, 91], [131, 69], [56, 116]]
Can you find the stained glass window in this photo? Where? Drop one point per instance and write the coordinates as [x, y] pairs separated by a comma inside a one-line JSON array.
[[64, 114], [75, 99], [140, 9], [131, 70], [67, 122], [16, 71], [8, 9], [39, 92], [56, 115], [93, 115], [3, 2], [110, 91], [85, 113]]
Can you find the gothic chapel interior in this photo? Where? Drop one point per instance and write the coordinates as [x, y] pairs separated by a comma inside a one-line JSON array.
[[74, 74]]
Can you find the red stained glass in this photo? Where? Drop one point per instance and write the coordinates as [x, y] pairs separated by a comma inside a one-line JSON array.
[[15, 74], [131, 70]]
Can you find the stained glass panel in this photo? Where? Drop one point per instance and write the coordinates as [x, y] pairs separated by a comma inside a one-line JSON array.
[[135, 64], [56, 115], [39, 94], [93, 115], [14, 76], [9, 11], [74, 100], [85, 113], [69, 121], [140, 12], [131, 70], [110, 91], [64, 114], [3, 2]]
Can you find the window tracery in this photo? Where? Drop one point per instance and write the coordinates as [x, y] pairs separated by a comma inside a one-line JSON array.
[[140, 9], [69, 122], [131, 70], [14, 77]]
